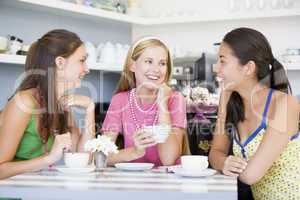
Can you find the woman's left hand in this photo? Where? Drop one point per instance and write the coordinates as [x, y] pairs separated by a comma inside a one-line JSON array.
[[70, 100]]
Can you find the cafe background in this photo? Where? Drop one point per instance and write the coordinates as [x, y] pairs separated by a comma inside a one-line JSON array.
[[191, 28]]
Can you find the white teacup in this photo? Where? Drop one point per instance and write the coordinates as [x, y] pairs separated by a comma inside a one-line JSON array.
[[160, 132], [76, 159], [194, 162]]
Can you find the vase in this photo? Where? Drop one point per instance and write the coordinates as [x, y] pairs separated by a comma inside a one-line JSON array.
[[100, 160]]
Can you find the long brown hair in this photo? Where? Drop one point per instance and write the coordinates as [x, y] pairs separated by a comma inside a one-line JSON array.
[[41, 58], [127, 80]]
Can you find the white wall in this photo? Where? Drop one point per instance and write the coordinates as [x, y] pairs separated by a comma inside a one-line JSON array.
[[281, 32], [213, 8]]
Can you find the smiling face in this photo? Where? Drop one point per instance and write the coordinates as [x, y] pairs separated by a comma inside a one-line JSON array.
[[151, 68], [72, 69], [229, 68]]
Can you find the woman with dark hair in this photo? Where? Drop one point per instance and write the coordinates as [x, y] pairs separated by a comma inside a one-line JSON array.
[[37, 125], [256, 103]]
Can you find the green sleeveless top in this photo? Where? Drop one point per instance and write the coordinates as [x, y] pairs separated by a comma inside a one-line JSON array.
[[31, 145]]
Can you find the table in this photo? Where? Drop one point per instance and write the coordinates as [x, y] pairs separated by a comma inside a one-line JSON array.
[[111, 183]]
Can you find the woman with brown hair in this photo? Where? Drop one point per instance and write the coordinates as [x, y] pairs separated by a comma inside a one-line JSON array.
[[37, 125]]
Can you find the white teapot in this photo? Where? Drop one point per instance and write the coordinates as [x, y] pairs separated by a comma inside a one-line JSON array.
[[108, 54], [91, 51], [119, 53], [98, 51]]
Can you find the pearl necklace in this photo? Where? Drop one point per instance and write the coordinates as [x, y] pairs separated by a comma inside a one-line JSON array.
[[138, 125], [138, 106]]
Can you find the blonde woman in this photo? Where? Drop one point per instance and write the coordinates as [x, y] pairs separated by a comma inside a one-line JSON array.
[[142, 99]]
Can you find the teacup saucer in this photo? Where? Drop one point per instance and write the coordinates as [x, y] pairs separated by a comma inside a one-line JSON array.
[[134, 166], [65, 169], [199, 173]]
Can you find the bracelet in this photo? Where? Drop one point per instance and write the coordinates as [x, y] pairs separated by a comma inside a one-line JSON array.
[[164, 128]]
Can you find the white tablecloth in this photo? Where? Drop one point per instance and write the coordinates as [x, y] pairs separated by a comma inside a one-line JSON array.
[[111, 183]]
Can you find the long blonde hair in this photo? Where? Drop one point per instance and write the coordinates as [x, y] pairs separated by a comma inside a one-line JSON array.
[[127, 80]]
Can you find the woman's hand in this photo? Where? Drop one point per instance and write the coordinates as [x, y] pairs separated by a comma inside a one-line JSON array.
[[224, 98], [164, 93], [70, 100], [233, 166], [142, 140], [61, 143]]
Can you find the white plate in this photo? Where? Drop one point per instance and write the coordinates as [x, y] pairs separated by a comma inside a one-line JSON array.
[[134, 166], [65, 169], [201, 173]]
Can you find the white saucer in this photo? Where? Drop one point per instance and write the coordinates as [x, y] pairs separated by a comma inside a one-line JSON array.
[[65, 169], [134, 166], [200, 173]]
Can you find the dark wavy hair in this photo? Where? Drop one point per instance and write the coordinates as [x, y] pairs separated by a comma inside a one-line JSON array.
[[250, 45], [40, 70]]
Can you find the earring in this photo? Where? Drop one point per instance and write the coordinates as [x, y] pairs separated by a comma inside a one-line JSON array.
[[270, 67]]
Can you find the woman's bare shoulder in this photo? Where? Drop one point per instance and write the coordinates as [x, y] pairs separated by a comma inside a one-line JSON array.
[[286, 113], [284, 99], [25, 100]]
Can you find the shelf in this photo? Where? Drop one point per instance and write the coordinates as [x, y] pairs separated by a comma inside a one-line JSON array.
[[20, 60], [12, 59], [71, 9], [68, 8], [105, 67], [291, 66]]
